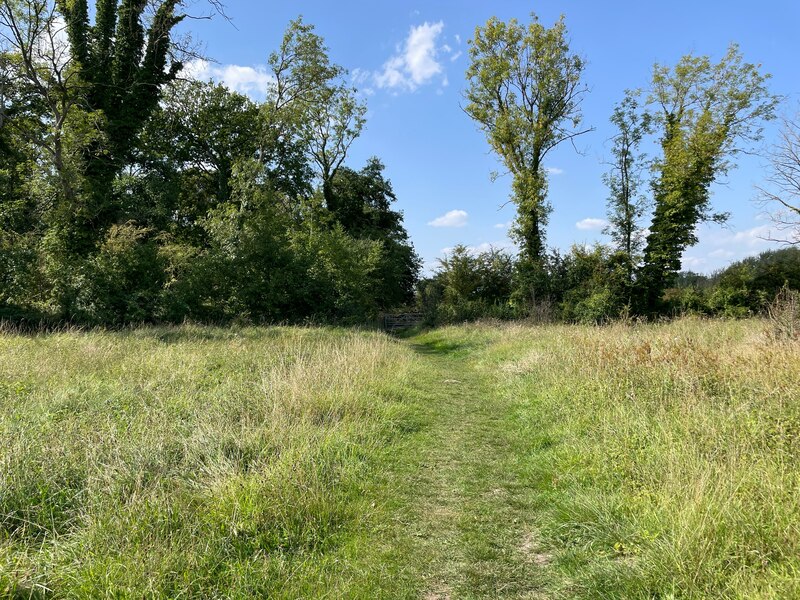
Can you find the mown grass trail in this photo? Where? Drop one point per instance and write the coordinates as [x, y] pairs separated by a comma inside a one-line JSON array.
[[464, 509], [656, 461]]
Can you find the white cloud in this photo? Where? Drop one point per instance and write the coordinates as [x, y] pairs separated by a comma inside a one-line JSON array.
[[504, 245], [252, 81], [753, 238], [454, 218], [554, 170], [504, 225], [693, 263], [361, 79], [722, 253], [591, 224], [458, 39], [456, 56], [416, 62], [359, 76], [720, 247]]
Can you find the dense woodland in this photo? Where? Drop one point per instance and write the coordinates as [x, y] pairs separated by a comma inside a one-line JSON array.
[[131, 193]]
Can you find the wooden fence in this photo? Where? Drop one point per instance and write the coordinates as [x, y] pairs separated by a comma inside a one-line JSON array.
[[401, 321]]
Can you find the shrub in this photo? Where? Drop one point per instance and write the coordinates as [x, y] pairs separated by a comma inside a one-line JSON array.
[[784, 315], [124, 279]]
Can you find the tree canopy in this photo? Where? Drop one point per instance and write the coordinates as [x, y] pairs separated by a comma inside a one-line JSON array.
[[524, 92]]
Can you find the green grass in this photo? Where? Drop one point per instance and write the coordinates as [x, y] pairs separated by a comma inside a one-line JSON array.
[[628, 462], [195, 462], [483, 461]]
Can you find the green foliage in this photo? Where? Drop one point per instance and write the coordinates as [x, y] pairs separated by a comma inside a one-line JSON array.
[[122, 62], [340, 273], [170, 200], [524, 93], [704, 112], [627, 203], [18, 273], [594, 285], [468, 286], [310, 104], [747, 287], [361, 202], [123, 281]]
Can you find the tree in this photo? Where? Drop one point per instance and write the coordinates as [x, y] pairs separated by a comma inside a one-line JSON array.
[[38, 60], [626, 203], [309, 101], [198, 134], [705, 112], [782, 196], [469, 285], [122, 66], [99, 83], [525, 92], [361, 202]]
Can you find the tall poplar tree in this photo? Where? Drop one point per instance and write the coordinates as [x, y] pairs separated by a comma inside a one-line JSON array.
[[524, 92], [627, 202]]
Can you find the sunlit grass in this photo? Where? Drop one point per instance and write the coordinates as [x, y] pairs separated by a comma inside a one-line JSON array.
[[489, 460], [189, 460], [664, 460]]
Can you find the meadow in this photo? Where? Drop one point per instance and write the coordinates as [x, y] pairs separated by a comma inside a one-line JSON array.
[[476, 461]]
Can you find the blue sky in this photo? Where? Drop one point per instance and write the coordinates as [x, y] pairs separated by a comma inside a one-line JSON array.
[[408, 59]]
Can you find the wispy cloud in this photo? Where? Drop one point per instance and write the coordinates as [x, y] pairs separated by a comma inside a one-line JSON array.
[[506, 225], [416, 62], [719, 247], [504, 245], [591, 224], [554, 170], [693, 263], [454, 218], [252, 81]]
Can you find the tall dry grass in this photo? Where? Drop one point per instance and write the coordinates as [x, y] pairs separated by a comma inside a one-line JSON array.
[[667, 456], [189, 461]]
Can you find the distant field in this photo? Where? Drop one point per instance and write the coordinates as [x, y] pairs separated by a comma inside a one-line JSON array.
[[496, 461]]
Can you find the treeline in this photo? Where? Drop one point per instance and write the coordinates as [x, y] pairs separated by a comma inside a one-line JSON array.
[[131, 194], [524, 93], [590, 285]]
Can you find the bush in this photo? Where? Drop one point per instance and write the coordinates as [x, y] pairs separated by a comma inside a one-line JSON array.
[[124, 279], [469, 286], [784, 315]]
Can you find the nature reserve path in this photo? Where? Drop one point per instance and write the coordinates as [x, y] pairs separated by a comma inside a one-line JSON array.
[[464, 506]]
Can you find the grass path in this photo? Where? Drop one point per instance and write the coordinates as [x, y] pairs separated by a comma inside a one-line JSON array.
[[462, 506], [567, 462]]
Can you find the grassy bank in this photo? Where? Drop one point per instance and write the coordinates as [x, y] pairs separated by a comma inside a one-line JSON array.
[[195, 462]]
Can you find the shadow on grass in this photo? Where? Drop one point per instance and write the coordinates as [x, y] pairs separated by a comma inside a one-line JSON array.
[[15, 591], [441, 348]]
